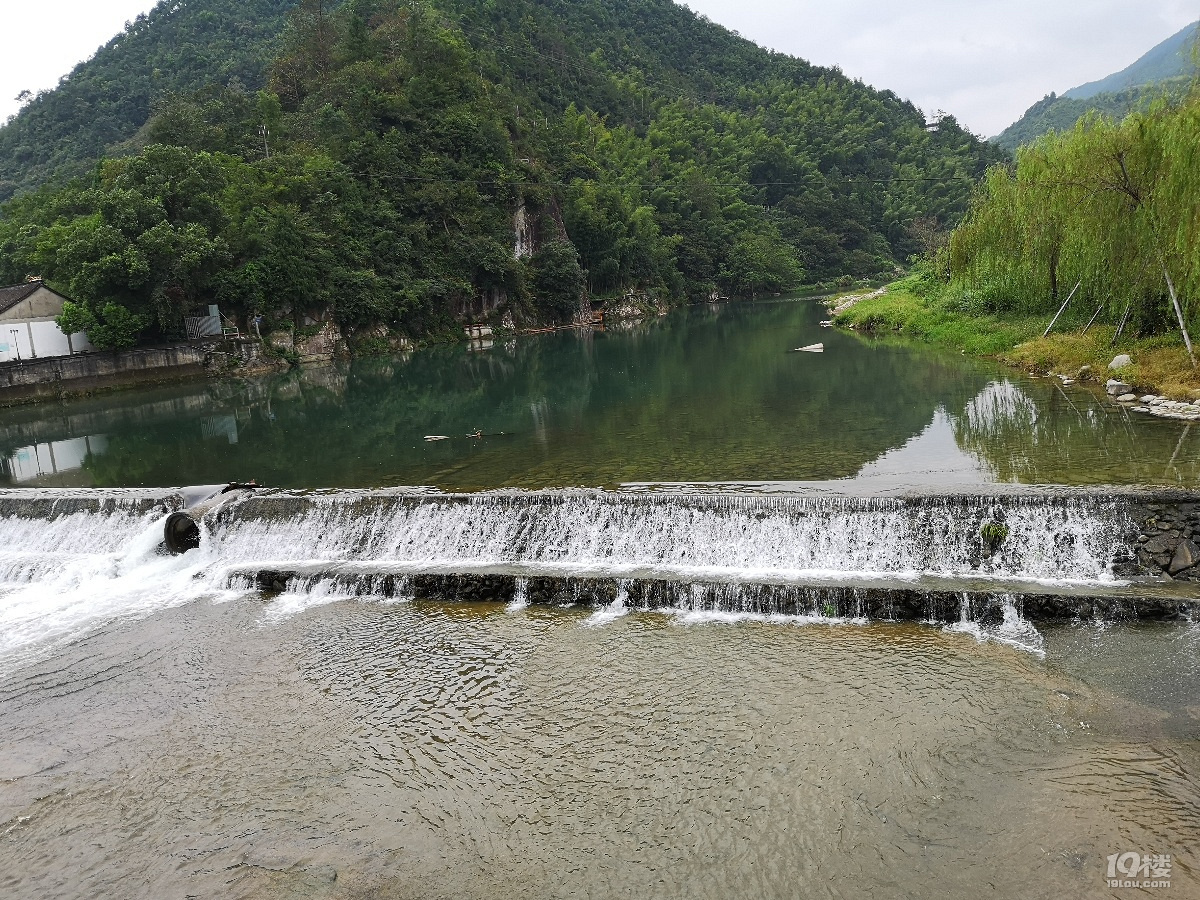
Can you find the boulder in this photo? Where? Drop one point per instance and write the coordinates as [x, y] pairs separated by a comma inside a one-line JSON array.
[[1116, 388], [1127, 398], [1186, 556], [1084, 373], [1120, 362]]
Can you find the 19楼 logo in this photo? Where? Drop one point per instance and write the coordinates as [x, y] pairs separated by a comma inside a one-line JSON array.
[[1139, 870]]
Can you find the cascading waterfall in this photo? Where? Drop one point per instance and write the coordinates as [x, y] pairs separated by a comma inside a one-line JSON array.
[[63, 577], [693, 538], [71, 560], [1012, 628]]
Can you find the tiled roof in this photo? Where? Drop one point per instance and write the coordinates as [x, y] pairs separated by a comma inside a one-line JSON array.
[[11, 296]]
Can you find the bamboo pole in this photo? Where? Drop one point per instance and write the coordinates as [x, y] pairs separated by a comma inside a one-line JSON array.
[[1063, 310], [1121, 327], [1099, 309], [1179, 312]]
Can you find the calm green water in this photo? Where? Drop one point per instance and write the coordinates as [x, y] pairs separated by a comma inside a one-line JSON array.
[[708, 394]]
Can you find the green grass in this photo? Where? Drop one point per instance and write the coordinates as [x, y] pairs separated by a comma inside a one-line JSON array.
[[938, 320], [945, 317]]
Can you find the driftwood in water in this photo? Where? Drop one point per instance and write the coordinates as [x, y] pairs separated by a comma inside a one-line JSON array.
[[1062, 310]]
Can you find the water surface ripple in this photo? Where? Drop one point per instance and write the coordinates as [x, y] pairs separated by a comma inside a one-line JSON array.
[[355, 749]]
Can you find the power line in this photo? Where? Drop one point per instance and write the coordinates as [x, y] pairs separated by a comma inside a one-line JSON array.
[[649, 186]]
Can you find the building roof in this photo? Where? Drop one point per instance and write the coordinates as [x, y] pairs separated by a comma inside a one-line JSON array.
[[11, 296]]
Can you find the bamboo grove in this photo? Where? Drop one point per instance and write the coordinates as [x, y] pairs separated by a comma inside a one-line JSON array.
[[1111, 207]]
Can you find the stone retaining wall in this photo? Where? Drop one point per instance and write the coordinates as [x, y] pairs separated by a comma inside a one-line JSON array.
[[74, 376], [1167, 538]]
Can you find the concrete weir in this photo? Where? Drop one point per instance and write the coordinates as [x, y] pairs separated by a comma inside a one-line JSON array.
[[980, 556]]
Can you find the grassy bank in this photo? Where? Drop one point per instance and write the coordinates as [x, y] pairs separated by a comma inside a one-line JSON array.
[[922, 308]]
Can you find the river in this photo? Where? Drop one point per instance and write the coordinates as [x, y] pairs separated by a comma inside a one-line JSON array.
[[709, 394], [691, 684]]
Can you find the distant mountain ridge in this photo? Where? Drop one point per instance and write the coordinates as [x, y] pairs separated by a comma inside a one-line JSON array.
[[1167, 70], [1170, 59]]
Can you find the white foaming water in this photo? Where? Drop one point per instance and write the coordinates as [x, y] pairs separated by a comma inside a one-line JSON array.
[[75, 592], [613, 535], [1014, 630], [615, 610], [72, 570], [520, 598]]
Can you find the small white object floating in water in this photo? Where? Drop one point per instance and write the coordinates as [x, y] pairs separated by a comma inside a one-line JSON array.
[[828, 323], [811, 348], [437, 437]]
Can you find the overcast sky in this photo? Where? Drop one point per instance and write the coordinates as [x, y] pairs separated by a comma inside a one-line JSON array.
[[985, 61]]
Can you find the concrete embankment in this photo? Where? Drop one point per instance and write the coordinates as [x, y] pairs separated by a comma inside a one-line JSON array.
[[65, 377]]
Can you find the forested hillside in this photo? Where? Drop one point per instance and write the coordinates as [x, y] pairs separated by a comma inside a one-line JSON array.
[[1060, 114], [179, 47], [378, 173]]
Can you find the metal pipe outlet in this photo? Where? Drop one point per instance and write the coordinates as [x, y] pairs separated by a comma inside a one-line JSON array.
[[182, 530]]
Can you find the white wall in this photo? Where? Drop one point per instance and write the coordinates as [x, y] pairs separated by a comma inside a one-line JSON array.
[[48, 340], [14, 338], [80, 343]]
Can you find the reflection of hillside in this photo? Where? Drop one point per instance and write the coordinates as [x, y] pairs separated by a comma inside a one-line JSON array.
[[1041, 435], [710, 394], [705, 395], [48, 423]]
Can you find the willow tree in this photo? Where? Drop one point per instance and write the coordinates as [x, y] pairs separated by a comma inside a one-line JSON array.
[[1115, 207]]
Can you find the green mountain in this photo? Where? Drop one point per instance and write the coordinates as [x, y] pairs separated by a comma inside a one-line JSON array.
[[1170, 59], [179, 47], [395, 147], [1166, 71]]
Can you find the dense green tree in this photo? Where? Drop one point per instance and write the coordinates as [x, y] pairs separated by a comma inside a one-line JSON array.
[[373, 169], [1110, 206]]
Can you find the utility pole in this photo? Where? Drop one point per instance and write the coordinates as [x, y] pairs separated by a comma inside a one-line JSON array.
[[266, 133]]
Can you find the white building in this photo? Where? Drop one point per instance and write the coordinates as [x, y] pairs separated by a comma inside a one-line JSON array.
[[27, 326]]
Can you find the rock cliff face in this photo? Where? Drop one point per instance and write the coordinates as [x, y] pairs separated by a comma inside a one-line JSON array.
[[307, 346], [524, 235], [323, 346]]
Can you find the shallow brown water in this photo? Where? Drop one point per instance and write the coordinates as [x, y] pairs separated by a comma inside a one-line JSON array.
[[363, 750]]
